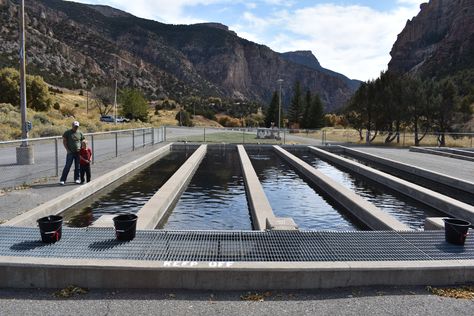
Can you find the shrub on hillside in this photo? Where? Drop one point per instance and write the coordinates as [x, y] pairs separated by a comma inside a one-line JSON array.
[[56, 106], [48, 131], [228, 121], [41, 118], [67, 112], [36, 90]]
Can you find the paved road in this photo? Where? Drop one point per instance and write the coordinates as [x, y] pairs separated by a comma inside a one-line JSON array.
[[348, 301], [453, 167]]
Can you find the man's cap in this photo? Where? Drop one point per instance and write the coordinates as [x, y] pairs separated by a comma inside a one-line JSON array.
[[76, 123]]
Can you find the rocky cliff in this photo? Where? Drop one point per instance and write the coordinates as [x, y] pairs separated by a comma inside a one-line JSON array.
[[306, 58], [439, 41], [77, 45]]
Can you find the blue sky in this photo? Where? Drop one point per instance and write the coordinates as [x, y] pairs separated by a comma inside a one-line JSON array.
[[353, 37]]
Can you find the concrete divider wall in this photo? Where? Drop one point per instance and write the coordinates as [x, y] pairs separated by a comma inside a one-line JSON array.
[[63, 202], [438, 201], [150, 215], [260, 208], [421, 172], [365, 211]]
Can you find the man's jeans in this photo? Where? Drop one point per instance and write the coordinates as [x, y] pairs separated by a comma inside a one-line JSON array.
[[70, 157]]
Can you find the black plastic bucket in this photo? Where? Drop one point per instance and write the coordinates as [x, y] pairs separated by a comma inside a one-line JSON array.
[[50, 228], [125, 226], [455, 230]]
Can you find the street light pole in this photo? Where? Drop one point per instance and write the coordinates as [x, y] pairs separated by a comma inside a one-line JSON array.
[[115, 103], [280, 81], [24, 153], [24, 129]]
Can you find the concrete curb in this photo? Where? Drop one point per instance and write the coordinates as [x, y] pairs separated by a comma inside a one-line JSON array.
[[26, 272], [150, 215], [63, 202], [365, 211], [438, 201], [420, 172], [440, 153]]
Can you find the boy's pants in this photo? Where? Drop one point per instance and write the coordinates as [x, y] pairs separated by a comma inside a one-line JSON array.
[[87, 171]]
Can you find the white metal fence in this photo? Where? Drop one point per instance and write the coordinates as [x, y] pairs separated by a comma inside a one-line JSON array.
[[49, 153]]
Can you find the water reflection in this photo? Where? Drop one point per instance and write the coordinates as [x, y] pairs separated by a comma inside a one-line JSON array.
[[291, 196], [128, 197], [406, 210], [215, 198], [432, 185]]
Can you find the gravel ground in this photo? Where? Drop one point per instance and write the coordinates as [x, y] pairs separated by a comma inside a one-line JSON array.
[[347, 301]]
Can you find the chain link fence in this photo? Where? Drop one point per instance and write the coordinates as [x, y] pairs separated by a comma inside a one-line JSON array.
[[49, 153]]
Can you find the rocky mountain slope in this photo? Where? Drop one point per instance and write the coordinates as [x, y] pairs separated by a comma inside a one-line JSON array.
[[77, 45], [439, 41], [306, 58]]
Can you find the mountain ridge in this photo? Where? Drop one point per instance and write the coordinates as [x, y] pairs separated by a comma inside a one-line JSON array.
[[82, 45]]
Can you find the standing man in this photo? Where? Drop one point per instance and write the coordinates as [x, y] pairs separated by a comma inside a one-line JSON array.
[[72, 140]]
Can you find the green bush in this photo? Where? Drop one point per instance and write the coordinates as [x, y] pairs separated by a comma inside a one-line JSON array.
[[41, 118], [56, 106], [36, 90]]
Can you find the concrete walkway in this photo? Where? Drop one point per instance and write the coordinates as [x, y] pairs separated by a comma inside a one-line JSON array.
[[16, 202], [449, 166]]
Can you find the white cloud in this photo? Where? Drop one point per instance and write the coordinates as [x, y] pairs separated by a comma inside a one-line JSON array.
[[353, 40]]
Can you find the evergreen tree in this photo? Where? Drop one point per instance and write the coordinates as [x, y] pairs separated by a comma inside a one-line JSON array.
[[134, 105], [316, 113], [305, 122], [272, 112], [295, 113]]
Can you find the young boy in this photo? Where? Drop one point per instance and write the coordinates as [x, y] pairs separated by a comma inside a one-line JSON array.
[[85, 155]]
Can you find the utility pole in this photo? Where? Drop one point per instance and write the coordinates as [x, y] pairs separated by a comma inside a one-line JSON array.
[[115, 103], [280, 81], [24, 153], [87, 100]]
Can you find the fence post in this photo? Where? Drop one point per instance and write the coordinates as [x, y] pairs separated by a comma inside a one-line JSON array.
[[243, 136], [57, 156], [204, 134], [404, 135], [284, 137], [116, 144], [164, 133], [133, 140], [93, 151], [152, 136], [144, 136]]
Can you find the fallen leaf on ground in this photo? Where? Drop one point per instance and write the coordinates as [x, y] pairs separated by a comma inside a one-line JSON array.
[[463, 292], [252, 297], [70, 291]]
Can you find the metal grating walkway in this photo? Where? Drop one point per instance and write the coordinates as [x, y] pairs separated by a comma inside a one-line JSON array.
[[277, 246]]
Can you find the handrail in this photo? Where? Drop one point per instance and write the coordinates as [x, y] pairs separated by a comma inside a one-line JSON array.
[[85, 134]]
